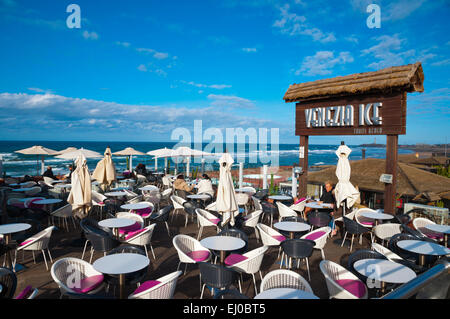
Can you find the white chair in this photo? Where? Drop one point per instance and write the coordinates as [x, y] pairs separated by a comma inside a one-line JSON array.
[[28, 185], [72, 274], [98, 200], [319, 236], [386, 252], [167, 183], [190, 251], [49, 181], [38, 242], [284, 211], [283, 278], [211, 206], [341, 283], [206, 219], [27, 293], [161, 288], [250, 265], [177, 204], [257, 203], [299, 207], [386, 231], [142, 237], [145, 213], [141, 179], [419, 224], [250, 191], [242, 201], [364, 221], [28, 203], [165, 194], [33, 191], [270, 237], [131, 216], [63, 213], [251, 220]]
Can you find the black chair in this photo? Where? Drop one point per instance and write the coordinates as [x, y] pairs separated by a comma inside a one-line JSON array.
[[209, 200], [189, 208], [297, 219], [407, 255], [229, 294], [216, 276], [162, 216], [74, 295], [402, 219], [8, 283], [131, 278], [269, 210], [353, 228], [417, 234], [318, 219], [15, 213], [359, 255], [262, 194], [297, 249], [101, 241], [180, 193]]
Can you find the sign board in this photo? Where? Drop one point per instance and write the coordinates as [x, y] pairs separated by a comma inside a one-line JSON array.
[[353, 115], [302, 152], [386, 178]]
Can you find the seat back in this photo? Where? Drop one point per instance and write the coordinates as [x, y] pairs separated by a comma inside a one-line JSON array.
[[8, 282], [318, 219], [360, 255], [298, 248], [217, 276], [282, 278]]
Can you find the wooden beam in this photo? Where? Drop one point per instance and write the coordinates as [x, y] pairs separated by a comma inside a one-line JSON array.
[[391, 168], [303, 180]]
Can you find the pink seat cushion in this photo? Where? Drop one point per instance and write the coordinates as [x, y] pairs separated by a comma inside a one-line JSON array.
[[125, 230], [234, 259], [26, 242], [143, 212], [315, 235], [89, 283], [214, 220], [134, 233], [279, 238], [199, 255], [300, 200], [355, 287], [101, 203], [25, 293], [430, 234], [146, 285], [366, 223]]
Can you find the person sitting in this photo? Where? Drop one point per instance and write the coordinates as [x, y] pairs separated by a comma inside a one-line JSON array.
[[327, 198], [180, 184], [68, 176], [141, 170], [205, 185], [49, 173]]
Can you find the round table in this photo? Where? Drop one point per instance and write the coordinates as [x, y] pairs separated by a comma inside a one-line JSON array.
[[442, 229], [7, 230], [120, 188], [222, 244], [377, 216], [49, 201], [292, 227], [198, 196], [384, 271], [121, 264], [285, 293], [244, 190], [149, 188], [423, 248], [22, 189], [316, 205], [280, 197], [116, 223], [136, 206], [116, 194], [63, 186]]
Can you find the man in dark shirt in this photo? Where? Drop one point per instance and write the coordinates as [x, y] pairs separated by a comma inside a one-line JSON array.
[[49, 173], [328, 198]]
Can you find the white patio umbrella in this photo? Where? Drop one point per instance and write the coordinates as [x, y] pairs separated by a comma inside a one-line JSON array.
[[38, 150], [105, 172], [129, 151], [161, 153], [345, 192], [187, 153], [80, 196], [226, 199], [67, 150], [75, 154]]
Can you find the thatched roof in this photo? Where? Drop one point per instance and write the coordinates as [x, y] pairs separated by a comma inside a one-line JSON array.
[[366, 174], [407, 78]]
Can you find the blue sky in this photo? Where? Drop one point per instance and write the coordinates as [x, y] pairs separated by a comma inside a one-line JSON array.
[[136, 70]]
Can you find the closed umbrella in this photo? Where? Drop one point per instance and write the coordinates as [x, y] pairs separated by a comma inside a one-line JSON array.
[[38, 150], [129, 151], [80, 196], [226, 199], [345, 192], [105, 172]]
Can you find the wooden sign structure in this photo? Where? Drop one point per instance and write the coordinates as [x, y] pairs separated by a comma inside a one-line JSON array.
[[371, 103]]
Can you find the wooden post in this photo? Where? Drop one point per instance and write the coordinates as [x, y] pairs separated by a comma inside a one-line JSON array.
[[303, 180], [390, 190]]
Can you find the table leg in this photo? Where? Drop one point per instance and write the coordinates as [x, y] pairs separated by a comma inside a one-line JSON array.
[[291, 235], [222, 257], [8, 253], [122, 285], [422, 260]]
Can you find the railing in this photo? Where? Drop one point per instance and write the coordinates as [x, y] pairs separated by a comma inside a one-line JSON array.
[[434, 283]]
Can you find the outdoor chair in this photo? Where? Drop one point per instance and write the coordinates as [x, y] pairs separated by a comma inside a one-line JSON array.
[[419, 224], [101, 241], [63, 214], [269, 210], [161, 288], [297, 249], [282, 278], [165, 194], [142, 237], [341, 283], [364, 221], [396, 258], [229, 294], [270, 237], [299, 207], [251, 220], [138, 225], [262, 194], [98, 200], [28, 293], [177, 204], [410, 256], [8, 283], [353, 228], [319, 236], [318, 219], [384, 232], [73, 275], [217, 277], [242, 201], [234, 232], [189, 209], [189, 250], [416, 233], [162, 216], [145, 213], [284, 211], [206, 219], [33, 191], [402, 219], [248, 263]]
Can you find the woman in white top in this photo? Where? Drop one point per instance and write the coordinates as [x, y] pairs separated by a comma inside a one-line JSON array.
[[205, 186]]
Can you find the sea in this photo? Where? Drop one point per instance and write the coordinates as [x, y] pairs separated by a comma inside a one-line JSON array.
[[17, 165]]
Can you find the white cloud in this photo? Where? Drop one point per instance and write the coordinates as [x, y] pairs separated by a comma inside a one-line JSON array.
[[230, 101], [441, 63], [156, 54], [293, 24], [123, 44], [323, 62], [142, 68], [90, 35], [211, 86], [250, 50]]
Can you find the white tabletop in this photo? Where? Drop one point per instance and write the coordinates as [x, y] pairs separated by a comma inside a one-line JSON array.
[[222, 243], [292, 226], [116, 222], [280, 197], [136, 206], [285, 293], [317, 205], [124, 263], [376, 215], [116, 194], [47, 201], [244, 190], [28, 198], [22, 189], [204, 197], [443, 229], [423, 247], [149, 188], [384, 270], [13, 228], [63, 186], [120, 188], [127, 181]]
